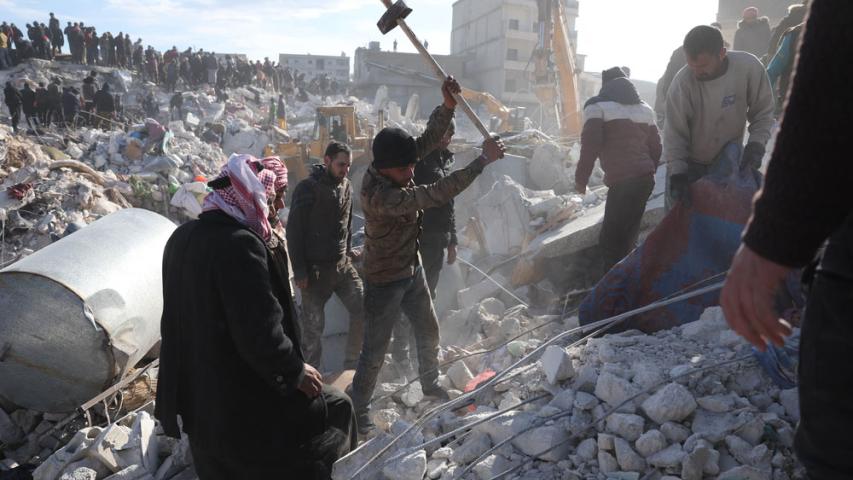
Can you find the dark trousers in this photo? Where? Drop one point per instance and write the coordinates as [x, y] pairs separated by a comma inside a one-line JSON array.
[[323, 281], [825, 375], [382, 306], [54, 115], [15, 112], [32, 119], [402, 344], [432, 258], [623, 213], [328, 420]]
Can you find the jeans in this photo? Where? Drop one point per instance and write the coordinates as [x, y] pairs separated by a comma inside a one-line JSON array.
[[403, 341], [382, 306], [323, 281]]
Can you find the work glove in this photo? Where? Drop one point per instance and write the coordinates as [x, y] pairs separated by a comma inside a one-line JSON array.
[[752, 156], [679, 189]]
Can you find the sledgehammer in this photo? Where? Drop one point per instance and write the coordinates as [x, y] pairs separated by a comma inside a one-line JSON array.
[[396, 15]]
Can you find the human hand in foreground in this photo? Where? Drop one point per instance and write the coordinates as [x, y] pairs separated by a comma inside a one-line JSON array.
[[451, 254], [748, 295]]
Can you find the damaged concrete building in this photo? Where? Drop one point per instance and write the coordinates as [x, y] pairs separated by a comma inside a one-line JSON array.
[[498, 37]]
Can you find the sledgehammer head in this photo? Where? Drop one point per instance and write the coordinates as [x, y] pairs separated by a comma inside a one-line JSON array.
[[395, 12]]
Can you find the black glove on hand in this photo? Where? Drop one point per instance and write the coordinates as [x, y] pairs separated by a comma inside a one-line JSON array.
[[679, 188], [752, 156]]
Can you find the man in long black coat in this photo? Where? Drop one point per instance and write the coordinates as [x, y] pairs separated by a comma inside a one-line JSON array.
[[231, 364]]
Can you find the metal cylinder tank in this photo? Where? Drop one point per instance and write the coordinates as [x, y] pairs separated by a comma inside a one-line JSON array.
[[77, 313]]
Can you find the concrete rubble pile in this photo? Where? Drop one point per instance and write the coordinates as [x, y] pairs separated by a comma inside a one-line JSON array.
[[131, 448], [524, 195], [58, 181], [514, 204], [622, 406]]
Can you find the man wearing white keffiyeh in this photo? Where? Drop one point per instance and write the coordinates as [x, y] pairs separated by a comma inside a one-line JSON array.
[[230, 335]]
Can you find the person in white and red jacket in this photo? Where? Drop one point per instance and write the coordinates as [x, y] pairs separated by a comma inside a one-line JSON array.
[[619, 130]]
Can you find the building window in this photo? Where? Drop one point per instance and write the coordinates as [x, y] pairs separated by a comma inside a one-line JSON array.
[[509, 86], [513, 24], [512, 54]]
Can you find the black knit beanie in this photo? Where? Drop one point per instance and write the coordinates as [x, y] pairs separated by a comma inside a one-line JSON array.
[[612, 73], [394, 147]]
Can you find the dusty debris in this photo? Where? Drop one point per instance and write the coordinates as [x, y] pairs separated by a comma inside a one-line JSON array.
[[728, 418]]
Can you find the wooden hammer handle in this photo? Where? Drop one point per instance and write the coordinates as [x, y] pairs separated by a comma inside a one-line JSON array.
[[439, 72]]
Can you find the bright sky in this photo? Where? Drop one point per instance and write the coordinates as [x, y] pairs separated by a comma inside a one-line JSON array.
[[638, 34]]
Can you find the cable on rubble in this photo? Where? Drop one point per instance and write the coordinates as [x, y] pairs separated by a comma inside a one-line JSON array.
[[608, 413], [471, 354], [467, 428], [488, 277], [582, 329]]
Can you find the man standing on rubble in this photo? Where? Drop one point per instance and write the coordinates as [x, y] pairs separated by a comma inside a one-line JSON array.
[[437, 236], [13, 100], [70, 105], [90, 88], [105, 107], [176, 106], [54, 103], [803, 206], [438, 223], [281, 112], [395, 281], [319, 235], [708, 106], [28, 105], [619, 129], [212, 66], [42, 104], [55, 31], [753, 33], [231, 365]]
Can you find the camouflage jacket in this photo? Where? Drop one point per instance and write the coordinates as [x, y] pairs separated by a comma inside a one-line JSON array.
[[393, 213]]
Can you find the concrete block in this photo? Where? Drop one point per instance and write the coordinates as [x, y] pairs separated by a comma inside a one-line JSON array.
[[672, 403], [557, 364]]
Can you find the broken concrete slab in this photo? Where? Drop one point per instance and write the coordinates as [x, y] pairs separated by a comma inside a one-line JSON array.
[[486, 288], [582, 233], [549, 443], [410, 467], [673, 402], [557, 364]]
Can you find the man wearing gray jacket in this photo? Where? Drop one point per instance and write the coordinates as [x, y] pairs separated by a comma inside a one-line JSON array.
[[708, 107]]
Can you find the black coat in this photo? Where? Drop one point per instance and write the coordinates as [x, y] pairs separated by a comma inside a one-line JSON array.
[[230, 359], [70, 104], [12, 97], [29, 101], [319, 226], [104, 101], [439, 223]]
